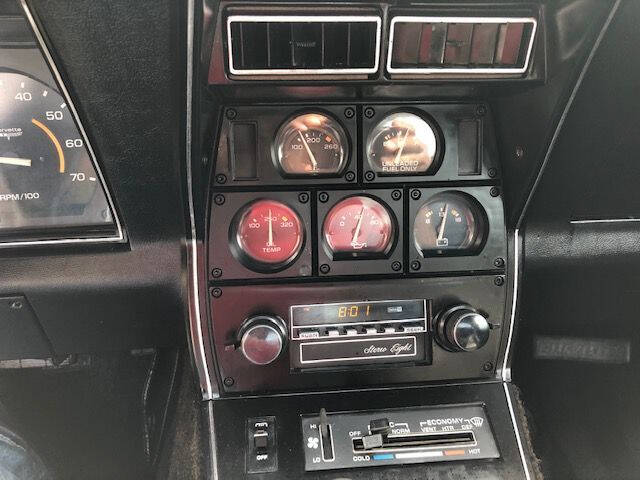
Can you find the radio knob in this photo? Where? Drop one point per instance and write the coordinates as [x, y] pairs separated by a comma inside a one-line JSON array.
[[462, 329], [262, 339]]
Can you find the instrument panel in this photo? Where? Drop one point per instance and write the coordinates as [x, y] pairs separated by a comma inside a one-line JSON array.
[[386, 219], [51, 189], [341, 190]]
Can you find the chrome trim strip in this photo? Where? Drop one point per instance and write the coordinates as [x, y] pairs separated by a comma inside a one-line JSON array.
[[469, 71], [213, 450], [195, 317], [523, 457], [506, 368], [119, 237], [306, 19], [605, 220]]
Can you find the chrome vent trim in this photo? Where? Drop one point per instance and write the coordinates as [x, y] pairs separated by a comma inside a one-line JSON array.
[[305, 19], [461, 71]]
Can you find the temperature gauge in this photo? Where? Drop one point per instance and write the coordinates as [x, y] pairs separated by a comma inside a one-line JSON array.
[[267, 236], [358, 227], [449, 223], [311, 144]]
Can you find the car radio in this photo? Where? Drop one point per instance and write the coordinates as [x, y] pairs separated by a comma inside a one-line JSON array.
[[356, 333]]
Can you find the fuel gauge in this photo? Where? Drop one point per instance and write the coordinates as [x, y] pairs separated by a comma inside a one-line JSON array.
[[449, 223]]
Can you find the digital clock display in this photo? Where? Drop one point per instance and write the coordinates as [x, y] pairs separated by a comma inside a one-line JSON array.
[[357, 312]]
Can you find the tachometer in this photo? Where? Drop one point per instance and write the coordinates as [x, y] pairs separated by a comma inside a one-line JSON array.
[[47, 177], [311, 144]]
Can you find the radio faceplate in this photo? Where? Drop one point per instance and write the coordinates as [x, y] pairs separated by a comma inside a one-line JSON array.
[[237, 303], [359, 333]]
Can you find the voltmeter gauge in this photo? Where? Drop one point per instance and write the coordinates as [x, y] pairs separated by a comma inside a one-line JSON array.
[[311, 144], [267, 235], [359, 227], [449, 223], [404, 143]]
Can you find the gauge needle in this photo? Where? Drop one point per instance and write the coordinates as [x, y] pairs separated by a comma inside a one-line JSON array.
[[358, 226], [270, 242], [444, 222], [23, 162], [404, 142], [306, 146]]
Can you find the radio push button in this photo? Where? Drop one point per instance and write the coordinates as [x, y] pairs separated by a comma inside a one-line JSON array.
[[333, 332], [309, 334], [351, 332]]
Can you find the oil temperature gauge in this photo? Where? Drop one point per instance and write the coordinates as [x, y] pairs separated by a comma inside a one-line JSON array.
[[311, 144], [358, 227], [266, 235], [450, 223]]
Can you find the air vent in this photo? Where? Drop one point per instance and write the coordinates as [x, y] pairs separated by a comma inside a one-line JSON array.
[[303, 45], [460, 46]]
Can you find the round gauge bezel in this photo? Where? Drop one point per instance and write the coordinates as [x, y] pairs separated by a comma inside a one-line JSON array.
[[247, 260], [438, 156], [344, 256], [342, 131], [481, 219]]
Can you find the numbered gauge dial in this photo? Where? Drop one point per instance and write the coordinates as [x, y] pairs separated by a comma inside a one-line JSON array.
[[312, 144], [403, 144], [359, 227], [47, 177], [267, 235], [450, 223]]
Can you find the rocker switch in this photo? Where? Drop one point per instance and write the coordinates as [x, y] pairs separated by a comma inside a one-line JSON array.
[[262, 446]]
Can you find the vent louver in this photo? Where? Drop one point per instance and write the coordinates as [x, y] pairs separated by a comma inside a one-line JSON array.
[[297, 45], [460, 45]]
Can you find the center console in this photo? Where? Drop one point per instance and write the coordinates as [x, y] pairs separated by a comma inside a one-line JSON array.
[[359, 268]]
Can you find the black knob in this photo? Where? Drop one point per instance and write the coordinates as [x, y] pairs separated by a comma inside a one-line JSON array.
[[262, 339], [462, 329]]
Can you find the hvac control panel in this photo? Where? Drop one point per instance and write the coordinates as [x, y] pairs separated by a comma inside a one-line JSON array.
[[397, 437]]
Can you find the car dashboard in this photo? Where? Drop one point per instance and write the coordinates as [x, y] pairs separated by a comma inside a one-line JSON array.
[[318, 240]]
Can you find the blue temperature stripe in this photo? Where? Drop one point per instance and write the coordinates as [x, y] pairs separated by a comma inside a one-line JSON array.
[[383, 456]]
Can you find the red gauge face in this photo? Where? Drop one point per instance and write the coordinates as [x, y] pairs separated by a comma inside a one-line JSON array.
[[358, 227], [268, 234]]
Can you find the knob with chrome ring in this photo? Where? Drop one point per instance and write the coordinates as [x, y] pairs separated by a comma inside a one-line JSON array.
[[462, 329], [262, 339]]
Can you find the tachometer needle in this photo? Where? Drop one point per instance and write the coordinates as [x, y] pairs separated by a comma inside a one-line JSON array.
[[270, 242], [404, 142], [23, 162], [309, 152], [356, 234], [444, 222]]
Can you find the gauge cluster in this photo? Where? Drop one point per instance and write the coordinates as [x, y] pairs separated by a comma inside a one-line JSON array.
[[349, 190], [352, 144]]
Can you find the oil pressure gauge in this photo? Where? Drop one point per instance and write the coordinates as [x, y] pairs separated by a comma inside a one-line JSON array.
[[359, 227], [404, 143], [311, 144], [266, 236], [449, 223]]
